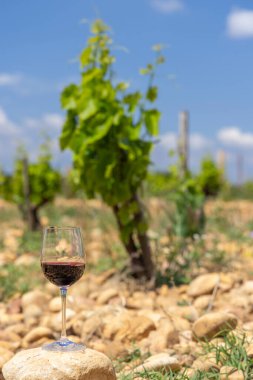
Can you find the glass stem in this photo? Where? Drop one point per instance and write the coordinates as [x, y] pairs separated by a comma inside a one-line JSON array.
[[63, 310]]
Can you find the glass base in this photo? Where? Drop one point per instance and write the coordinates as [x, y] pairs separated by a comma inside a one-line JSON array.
[[64, 345]]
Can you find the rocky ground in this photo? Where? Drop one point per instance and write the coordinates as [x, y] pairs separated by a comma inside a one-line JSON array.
[[178, 329]]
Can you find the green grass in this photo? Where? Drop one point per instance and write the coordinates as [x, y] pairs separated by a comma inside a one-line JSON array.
[[231, 353], [9, 214], [30, 242], [223, 222], [18, 279]]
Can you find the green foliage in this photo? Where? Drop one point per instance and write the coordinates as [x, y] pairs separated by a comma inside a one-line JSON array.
[[5, 186], [160, 184], [71, 187], [109, 130], [231, 353], [189, 218], [44, 181], [232, 192], [30, 242], [184, 257], [210, 177]]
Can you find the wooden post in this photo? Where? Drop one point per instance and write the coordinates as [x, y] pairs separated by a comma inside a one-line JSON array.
[[26, 188], [183, 142]]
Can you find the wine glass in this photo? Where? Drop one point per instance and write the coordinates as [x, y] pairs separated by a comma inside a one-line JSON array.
[[63, 263]]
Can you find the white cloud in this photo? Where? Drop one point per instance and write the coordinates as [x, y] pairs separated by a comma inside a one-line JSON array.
[[234, 137], [9, 79], [240, 23], [168, 141], [51, 120], [54, 120], [7, 127], [168, 6], [29, 133], [199, 146], [198, 142]]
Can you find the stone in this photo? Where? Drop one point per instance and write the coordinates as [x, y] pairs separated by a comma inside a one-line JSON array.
[[36, 334], [249, 351], [165, 336], [202, 302], [203, 284], [179, 323], [106, 295], [5, 355], [139, 303], [14, 306], [35, 297], [32, 311], [45, 365], [247, 287], [55, 305], [113, 350], [237, 375], [10, 319], [26, 260], [214, 324], [103, 277], [90, 327], [9, 336], [77, 321], [185, 312], [230, 373], [205, 366], [128, 328], [162, 362], [206, 363], [56, 318], [18, 328]]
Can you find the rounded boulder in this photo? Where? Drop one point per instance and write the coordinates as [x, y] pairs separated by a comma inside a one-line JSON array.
[[38, 364]]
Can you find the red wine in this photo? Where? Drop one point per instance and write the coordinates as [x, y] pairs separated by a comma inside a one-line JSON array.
[[63, 273]]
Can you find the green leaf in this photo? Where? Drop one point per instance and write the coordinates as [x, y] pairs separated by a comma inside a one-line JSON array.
[[91, 74], [160, 60], [99, 132], [152, 93], [151, 118], [132, 100], [147, 70], [68, 130], [68, 97], [122, 86], [142, 227], [99, 27], [157, 47], [90, 110], [85, 57], [109, 169]]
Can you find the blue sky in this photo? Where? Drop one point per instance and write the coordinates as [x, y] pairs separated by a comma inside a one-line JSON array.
[[208, 69]]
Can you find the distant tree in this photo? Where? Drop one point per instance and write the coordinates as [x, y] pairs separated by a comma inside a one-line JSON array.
[[210, 177], [32, 185], [110, 133], [5, 185]]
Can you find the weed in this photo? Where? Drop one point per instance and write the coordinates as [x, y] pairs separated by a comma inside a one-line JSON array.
[[231, 352], [18, 279], [30, 242]]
